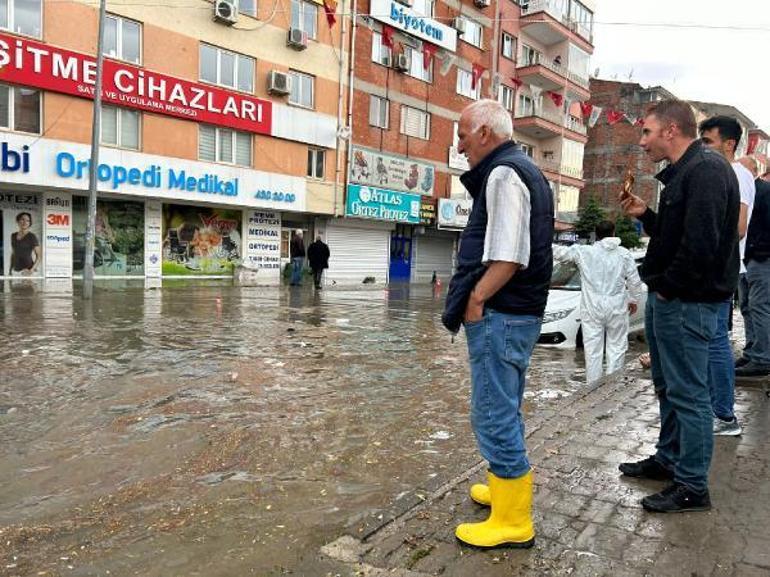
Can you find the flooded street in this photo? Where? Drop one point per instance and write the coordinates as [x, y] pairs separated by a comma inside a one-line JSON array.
[[219, 430]]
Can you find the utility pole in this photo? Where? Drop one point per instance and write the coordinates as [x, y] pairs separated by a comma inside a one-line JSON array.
[[88, 269]]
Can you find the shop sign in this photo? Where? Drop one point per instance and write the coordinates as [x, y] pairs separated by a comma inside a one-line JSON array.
[[408, 20], [428, 212], [263, 248], [458, 161], [395, 172], [454, 212], [14, 160], [153, 238], [47, 67], [58, 235], [380, 204]]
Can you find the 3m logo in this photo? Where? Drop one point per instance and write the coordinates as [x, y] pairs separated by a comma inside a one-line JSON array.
[[58, 220]]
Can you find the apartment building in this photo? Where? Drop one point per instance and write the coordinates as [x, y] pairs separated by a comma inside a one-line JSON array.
[[218, 134]]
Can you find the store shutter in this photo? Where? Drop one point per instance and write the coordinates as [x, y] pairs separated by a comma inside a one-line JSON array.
[[357, 253], [433, 254]]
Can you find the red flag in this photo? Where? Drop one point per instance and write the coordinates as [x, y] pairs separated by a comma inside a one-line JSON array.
[[557, 98], [428, 51], [476, 73], [517, 83], [614, 116], [387, 36], [639, 121], [586, 109], [330, 7]]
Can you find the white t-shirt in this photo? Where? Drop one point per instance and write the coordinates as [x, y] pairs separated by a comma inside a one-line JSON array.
[[748, 191], [508, 210]]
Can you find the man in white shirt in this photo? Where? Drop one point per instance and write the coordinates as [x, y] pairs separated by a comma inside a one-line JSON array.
[[723, 134], [606, 271]]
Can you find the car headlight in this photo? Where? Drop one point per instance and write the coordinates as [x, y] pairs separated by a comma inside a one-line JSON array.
[[556, 315]]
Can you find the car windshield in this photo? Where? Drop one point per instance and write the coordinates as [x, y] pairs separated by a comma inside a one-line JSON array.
[[566, 276]]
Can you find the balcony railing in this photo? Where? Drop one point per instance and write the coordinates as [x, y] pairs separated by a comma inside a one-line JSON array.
[[551, 7], [562, 71], [571, 123], [556, 167]]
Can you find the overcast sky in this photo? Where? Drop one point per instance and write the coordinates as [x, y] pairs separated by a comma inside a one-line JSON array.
[[697, 63]]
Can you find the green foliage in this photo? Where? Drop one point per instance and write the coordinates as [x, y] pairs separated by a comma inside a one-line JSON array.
[[625, 229], [589, 216]]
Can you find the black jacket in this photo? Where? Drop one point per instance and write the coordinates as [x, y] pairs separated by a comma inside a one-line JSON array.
[[693, 252], [296, 247], [318, 255], [758, 237]]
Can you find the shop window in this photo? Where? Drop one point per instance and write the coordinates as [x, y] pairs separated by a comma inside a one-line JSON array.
[[315, 162], [120, 127], [224, 145], [415, 122], [22, 16], [381, 54], [226, 68], [301, 89], [465, 82], [20, 109], [304, 16], [122, 39], [379, 112], [248, 7]]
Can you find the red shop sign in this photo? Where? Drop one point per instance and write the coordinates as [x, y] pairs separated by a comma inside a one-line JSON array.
[[30, 63]]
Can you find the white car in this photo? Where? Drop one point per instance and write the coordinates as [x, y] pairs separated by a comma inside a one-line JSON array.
[[561, 322]]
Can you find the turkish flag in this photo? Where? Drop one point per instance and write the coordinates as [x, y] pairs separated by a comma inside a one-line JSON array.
[[557, 98], [517, 83], [428, 51], [330, 7], [614, 116], [387, 36], [476, 73], [586, 109]]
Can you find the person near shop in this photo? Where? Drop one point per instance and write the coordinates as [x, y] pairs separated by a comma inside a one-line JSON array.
[[608, 274], [755, 360], [723, 134], [318, 257], [691, 268], [26, 254], [297, 254], [499, 294]]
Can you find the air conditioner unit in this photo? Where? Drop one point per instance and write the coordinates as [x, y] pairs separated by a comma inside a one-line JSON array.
[[226, 12], [482, 3], [459, 24], [401, 62], [278, 82], [297, 39]]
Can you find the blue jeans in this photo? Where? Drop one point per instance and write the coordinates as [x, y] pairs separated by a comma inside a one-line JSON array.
[[679, 334], [722, 367], [758, 277], [296, 269], [745, 306], [499, 347]]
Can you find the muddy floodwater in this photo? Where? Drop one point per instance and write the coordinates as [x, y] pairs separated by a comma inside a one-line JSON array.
[[216, 430]]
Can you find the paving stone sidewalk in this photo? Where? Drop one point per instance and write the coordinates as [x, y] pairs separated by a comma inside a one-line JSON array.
[[588, 519]]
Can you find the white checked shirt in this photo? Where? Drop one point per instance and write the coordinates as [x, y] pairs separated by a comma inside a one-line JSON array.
[[508, 208]]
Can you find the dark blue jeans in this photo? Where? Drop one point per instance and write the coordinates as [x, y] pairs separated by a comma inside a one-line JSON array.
[[499, 347], [296, 269], [722, 367], [758, 280], [679, 334]]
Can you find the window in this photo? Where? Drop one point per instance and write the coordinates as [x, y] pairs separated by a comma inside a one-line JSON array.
[[415, 122], [526, 105], [527, 149], [473, 33], [583, 16], [226, 68], [224, 145], [248, 7], [529, 56], [22, 16], [122, 39], [505, 97], [315, 162], [464, 82], [301, 89], [20, 109], [424, 7], [416, 69], [120, 127], [380, 54], [509, 46], [379, 112], [578, 61], [304, 16]]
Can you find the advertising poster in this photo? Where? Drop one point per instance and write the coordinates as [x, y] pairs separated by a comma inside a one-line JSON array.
[[21, 233], [392, 172], [264, 244], [200, 240], [369, 202], [119, 240]]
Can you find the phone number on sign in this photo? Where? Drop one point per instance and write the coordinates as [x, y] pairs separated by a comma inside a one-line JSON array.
[[275, 196]]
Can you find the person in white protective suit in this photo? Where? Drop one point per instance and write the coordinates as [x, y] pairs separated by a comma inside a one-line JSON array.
[[607, 271]]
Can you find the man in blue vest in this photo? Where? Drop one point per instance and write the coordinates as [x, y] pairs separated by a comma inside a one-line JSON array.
[[499, 294]]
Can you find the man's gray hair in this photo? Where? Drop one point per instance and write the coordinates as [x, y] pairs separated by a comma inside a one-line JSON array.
[[492, 114]]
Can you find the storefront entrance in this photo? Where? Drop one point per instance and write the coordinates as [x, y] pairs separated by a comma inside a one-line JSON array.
[[400, 255]]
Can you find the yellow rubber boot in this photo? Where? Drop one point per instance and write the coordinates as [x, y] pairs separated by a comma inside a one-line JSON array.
[[510, 521], [480, 494]]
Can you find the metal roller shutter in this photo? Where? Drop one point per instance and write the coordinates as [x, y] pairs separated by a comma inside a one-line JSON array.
[[432, 254], [357, 253]]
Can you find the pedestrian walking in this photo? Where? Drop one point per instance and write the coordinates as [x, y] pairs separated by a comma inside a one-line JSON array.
[[607, 274], [297, 254], [318, 258], [499, 295], [723, 134], [755, 360], [690, 269]]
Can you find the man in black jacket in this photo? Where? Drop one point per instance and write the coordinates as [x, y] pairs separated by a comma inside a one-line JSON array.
[[318, 259], [690, 268]]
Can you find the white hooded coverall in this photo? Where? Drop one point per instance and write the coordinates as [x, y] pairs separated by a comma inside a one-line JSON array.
[[606, 271]]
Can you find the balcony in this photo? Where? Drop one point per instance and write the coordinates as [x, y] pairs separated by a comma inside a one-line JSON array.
[[543, 21], [550, 76], [541, 124], [569, 175]]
